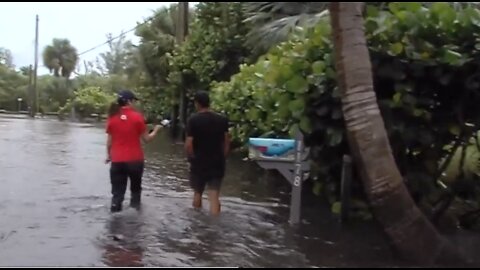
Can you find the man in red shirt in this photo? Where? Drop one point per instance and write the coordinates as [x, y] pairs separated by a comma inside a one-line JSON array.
[[125, 128]]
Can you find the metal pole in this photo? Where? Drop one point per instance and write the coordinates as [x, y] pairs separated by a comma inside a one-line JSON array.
[[31, 94], [36, 67], [296, 200]]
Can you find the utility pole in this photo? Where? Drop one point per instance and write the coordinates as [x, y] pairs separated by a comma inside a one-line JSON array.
[[31, 94], [182, 32], [37, 107], [178, 106]]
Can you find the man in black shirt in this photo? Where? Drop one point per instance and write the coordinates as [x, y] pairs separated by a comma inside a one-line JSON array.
[[207, 146]]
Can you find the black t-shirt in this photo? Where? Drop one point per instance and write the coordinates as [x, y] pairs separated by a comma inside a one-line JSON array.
[[208, 131]]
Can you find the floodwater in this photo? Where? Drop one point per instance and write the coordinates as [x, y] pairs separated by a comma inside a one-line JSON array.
[[54, 211]]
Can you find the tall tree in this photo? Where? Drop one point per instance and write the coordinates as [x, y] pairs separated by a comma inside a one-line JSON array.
[[157, 40], [60, 58], [115, 60]]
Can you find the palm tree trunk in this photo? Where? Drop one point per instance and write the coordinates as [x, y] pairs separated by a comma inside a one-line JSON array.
[[412, 234]]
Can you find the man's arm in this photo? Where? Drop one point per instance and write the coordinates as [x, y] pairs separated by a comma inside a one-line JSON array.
[[189, 146], [189, 140], [226, 147]]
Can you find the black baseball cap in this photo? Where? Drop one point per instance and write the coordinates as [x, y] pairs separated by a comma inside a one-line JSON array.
[[127, 95]]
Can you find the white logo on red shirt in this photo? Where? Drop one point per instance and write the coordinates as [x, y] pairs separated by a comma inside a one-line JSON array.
[[123, 117]]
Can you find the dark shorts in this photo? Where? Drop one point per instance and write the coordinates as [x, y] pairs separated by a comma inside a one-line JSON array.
[[206, 174], [199, 182]]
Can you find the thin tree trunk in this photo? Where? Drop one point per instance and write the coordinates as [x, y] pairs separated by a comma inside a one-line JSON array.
[[410, 231]]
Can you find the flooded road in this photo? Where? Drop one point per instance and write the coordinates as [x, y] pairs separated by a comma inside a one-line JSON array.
[[54, 211]]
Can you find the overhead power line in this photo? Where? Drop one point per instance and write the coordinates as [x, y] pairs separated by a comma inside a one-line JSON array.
[[119, 36]]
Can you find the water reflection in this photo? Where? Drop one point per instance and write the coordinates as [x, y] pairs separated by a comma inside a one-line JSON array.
[[122, 247]]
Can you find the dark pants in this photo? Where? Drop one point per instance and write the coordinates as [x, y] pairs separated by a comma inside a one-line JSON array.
[[119, 174]]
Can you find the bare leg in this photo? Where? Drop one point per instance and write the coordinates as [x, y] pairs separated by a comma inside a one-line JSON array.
[[197, 200], [214, 198]]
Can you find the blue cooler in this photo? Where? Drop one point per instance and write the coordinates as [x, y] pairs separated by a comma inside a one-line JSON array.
[[269, 149]]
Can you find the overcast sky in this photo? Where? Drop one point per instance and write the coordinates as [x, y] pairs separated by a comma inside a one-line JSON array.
[[84, 24]]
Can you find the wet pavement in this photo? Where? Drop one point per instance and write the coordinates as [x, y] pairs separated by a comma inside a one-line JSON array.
[[54, 211]]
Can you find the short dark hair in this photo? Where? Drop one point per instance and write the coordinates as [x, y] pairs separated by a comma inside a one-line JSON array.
[[202, 98]]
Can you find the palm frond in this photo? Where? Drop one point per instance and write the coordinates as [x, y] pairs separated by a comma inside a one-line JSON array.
[[273, 22]]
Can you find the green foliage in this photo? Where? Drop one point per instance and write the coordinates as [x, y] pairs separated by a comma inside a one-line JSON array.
[[274, 22], [13, 85], [214, 49], [90, 100], [53, 92], [425, 63], [470, 166]]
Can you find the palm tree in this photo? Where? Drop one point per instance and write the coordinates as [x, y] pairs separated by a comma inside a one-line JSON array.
[[410, 231], [157, 39], [60, 58]]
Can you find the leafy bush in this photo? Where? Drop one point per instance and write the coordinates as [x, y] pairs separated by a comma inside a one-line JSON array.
[[90, 100], [13, 85], [425, 63]]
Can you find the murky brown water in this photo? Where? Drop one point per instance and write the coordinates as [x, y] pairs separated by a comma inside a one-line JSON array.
[[54, 211]]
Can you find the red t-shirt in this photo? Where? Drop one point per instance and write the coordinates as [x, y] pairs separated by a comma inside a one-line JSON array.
[[126, 129]]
